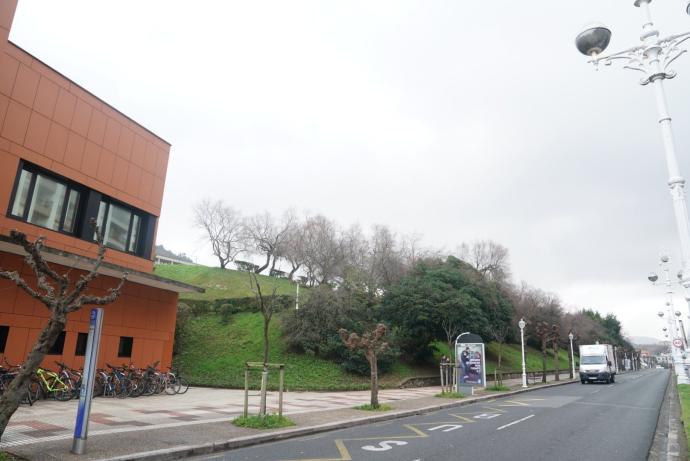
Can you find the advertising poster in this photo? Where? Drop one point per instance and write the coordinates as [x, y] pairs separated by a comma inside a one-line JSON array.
[[470, 363]]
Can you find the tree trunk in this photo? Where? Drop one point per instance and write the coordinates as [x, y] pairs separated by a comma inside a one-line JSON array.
[[555, 360], [12, 397], [292, 272], [267, 321], [373, 366], [222, 262], [543, 360], [262, 268], [500, 354]]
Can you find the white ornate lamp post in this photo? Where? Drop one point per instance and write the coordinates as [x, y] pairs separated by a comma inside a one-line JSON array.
[[522, 324], [652, 58], [572, 354]]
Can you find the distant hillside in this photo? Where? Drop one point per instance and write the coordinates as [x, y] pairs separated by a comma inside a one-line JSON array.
[[223, 283]]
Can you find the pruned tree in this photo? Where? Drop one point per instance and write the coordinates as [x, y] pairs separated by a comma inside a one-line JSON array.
[[61, 294], [371, 344], [488, 257], [224, 228], [555, 337]]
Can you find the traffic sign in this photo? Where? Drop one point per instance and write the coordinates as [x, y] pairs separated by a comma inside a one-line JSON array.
[[678, 342]]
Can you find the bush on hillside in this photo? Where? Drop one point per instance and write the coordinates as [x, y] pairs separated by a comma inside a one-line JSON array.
[[313, 329], [184, 314]]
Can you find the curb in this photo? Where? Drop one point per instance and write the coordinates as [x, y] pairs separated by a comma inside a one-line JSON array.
[[185, 451]]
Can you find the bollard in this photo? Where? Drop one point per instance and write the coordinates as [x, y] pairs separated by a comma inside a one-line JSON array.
[[264, 383], [280, 392], [246, 392]]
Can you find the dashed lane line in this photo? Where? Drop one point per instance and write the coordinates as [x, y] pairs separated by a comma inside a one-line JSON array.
[[515, 422]]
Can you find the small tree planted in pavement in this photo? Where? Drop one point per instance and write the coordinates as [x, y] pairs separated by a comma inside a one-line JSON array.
[[371, 344], [546, 333], [61, 295]]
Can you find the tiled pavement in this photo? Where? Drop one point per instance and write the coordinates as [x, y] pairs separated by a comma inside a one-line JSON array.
[[52, 420]]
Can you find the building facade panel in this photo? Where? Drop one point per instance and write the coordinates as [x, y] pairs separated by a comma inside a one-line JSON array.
[[67, 157]]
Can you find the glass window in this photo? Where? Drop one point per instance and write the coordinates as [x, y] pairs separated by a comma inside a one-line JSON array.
[[22, 194], [117, 227], [125, 347], [71, 213], [46, 203], [80, 350], [121, 227], [134, 237]]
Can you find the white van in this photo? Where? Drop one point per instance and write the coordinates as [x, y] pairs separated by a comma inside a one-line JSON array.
[[597, 363]]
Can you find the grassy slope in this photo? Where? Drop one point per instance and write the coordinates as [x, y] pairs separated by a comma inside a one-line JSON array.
[[684, 394], [222, 283], [213, 354]]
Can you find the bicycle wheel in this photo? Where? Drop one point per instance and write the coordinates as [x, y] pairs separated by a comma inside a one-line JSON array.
[[172, 385], [35, 390], [184, 385], [123, 387]]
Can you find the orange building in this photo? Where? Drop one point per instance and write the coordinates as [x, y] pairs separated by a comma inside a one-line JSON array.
[[67, 157]]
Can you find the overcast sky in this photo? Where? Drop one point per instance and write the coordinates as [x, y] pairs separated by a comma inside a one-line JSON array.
[[458, 120]]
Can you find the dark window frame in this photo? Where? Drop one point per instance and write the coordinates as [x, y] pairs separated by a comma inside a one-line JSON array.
[[125, 347], [58, 347], [69, 187], [80, 346], [4, 335]]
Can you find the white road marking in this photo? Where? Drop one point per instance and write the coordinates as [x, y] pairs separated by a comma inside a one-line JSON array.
[[448, 427], [515, 422], [384, 446], [487, 415]]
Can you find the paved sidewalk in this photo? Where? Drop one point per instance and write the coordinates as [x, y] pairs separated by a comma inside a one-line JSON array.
[[129, 427]]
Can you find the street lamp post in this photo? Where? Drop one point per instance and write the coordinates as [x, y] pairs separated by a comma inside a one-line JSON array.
[[652, 58], [522, 324], [572, 355]]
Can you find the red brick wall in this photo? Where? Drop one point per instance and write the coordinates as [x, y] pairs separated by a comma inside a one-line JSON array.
[[49, 120], [144, 313]]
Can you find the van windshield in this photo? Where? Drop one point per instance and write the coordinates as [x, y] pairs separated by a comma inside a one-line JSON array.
[[592, 359]]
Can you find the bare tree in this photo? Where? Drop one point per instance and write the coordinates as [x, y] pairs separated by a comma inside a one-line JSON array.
[[500, 332], [268, 236], [546, 333], [61, 294], [371, 344], [224, 228], [488, 257], [323, 250], [386, 261], [292, 249]]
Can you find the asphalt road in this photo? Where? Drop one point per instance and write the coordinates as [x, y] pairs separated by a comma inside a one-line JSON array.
[[571, 422]]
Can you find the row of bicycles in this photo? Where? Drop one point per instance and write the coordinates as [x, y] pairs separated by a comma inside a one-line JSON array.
[[115, 381]]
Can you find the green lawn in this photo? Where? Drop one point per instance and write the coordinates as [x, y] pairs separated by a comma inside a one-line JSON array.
[[214, 354], [223, 283], [684, 394]]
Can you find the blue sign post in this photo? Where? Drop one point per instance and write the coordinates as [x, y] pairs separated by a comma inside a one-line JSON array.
[[81, 427]]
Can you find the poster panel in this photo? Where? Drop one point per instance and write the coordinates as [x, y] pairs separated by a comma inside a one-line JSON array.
[[470, 358]]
